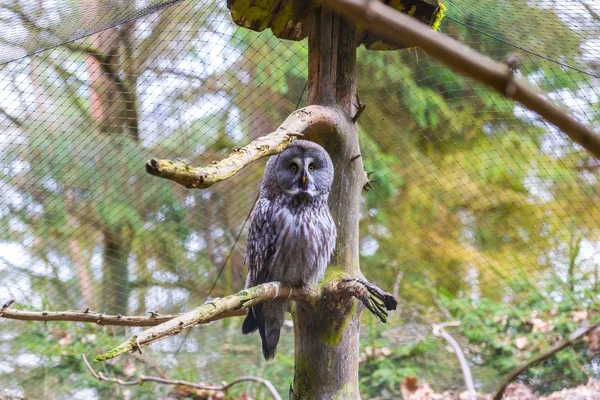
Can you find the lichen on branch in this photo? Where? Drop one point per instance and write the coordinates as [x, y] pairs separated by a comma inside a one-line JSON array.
[[297, 124], [211, 311], [375, 299]]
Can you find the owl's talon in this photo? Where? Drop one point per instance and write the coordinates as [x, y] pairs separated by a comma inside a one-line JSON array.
[[380, 313], [388, 300], [360, 107], [375, 299], [368, 185]]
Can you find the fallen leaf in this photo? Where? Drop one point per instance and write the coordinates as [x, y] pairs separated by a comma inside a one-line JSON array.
[[579, 316], [539, 325], [410, 384], [521, 342], [129, 368], [65, 340]]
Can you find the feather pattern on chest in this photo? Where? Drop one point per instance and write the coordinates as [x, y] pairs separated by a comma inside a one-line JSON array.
[[296, 237]]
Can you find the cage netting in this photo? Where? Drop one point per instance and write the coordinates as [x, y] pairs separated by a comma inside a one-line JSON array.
[[481, 212]]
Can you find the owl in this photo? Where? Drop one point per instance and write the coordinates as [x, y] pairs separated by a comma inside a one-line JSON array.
[[292, 235]]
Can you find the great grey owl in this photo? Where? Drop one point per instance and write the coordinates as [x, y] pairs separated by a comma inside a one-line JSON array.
[[292, 235]]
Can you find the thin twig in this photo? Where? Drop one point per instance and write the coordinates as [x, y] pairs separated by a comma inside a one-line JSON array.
[[438, 330], [12, 119], [97, 318], [383, 19], [573, 337], [7, 304], [165, 381]]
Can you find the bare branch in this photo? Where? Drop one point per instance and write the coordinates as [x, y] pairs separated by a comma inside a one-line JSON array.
[[394, 25], [375, 299], [438, 330], [104, 60], [12, 119], [297, 124], [210, 311], [8, 303], [165, 381], [590, 10], [573, 337], [96, 317]]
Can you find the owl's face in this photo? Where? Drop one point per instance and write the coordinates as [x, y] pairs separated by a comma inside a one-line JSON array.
[[303, 167]]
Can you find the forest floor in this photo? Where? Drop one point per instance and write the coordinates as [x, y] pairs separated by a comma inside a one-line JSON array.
[[516, 391]]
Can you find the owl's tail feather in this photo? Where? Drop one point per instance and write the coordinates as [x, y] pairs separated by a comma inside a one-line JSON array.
[[250, 323], [269, 318]]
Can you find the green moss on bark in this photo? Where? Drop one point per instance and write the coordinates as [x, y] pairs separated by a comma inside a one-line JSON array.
[[117, 351], [334, 332]]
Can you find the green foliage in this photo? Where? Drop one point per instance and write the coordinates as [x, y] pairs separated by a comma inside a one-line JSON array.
[[505, 335], [60, 346], [533, 27], [276, 60], [496, 337]]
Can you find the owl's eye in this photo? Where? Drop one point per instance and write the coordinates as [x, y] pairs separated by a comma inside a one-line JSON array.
[[294, 167], [311, 167]]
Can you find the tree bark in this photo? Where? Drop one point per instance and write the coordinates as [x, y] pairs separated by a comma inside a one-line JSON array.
[[327, 341], [116, 285], [113, 80]]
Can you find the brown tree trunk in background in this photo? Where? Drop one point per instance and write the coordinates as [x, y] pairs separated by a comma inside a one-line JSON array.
[[327, 342], [141, 271], [130, 68], [79, 263], [76, 253], [114, 105], [116, 286], [107, 102], [84, 277]]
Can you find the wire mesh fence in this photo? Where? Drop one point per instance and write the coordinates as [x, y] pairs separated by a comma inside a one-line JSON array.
[[481, 212]]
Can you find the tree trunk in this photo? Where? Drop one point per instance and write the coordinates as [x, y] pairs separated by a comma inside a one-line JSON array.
[[327, 342], [113, 97], [115, 270]]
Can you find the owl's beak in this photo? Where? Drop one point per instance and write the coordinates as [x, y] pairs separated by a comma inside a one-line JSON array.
[[303, 179]]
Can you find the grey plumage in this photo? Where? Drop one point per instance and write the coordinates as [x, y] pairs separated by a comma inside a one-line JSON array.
[[292, 235]]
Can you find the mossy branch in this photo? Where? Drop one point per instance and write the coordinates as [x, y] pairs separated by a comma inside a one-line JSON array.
[[297, 124], [375, 299], [211, 311]]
